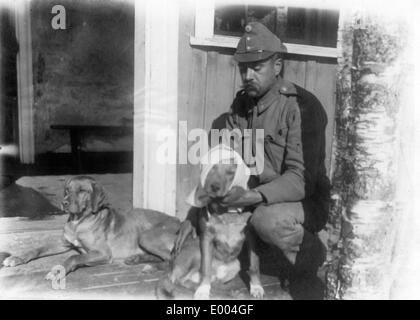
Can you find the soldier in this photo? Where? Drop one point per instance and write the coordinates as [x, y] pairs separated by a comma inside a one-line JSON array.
[[290, 198]]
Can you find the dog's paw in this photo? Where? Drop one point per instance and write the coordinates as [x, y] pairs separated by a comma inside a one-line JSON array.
[[55, 275], [50, 276], [133, 260], [202, 292], [256, 291], [12, 261], [148, 268]]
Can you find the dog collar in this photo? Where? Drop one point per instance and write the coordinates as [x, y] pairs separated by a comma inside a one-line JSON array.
[[231, 210]]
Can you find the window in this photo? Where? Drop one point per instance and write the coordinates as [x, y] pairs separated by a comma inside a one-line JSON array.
[[303, 30]]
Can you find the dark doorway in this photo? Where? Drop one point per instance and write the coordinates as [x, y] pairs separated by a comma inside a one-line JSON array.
[[9, 49], [8, 91]]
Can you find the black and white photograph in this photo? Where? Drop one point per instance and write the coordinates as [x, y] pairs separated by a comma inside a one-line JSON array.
[[209, 150]]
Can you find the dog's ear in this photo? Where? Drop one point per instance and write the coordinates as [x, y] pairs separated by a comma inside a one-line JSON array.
[[66, 185], [98, 197], [201, 196]]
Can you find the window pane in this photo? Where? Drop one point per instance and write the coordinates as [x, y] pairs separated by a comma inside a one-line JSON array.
[[229, 20], [265, 15], [312, 27], [293, 25]]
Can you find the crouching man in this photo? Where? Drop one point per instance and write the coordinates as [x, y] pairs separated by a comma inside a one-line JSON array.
[[290, 197]]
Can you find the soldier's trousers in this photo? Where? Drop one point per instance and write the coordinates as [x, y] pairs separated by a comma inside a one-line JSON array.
[[282, 225]]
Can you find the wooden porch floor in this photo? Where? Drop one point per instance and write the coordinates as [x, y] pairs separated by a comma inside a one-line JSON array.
[[113, 281]]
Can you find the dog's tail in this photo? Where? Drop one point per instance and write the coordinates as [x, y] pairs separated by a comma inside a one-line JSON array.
[[142, 258], [165, 288]]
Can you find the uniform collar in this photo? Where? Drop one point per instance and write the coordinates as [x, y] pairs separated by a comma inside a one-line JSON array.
[[281, 86]]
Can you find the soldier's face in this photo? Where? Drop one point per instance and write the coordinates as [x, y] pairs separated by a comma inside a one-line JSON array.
[[258, 77]]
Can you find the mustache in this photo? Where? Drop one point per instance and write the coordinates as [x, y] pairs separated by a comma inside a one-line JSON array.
[[249, 85]]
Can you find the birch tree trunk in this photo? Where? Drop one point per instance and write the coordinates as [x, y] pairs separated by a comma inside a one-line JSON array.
[[366, 157]]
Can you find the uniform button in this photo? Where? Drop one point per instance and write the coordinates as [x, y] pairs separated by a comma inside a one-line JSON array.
[[248, 48], [248, 38], [284, 89]]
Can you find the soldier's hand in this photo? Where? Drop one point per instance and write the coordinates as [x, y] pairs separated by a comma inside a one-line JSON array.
[[239, 197]]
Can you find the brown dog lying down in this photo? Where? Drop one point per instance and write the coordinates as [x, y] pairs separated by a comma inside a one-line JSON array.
[[101, 234], [214, 256]]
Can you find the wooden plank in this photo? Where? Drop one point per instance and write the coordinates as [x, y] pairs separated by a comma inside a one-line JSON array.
[[189, 173], [325, 92], [220, 81], [191, 95], [301, 73], [288, 70], [237, 81], [139, 139], [19, 225], [197, 90], [311, 75], [295, 71], [211, 86]]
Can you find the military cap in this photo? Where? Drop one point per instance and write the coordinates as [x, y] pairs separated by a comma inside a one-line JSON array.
[[257, 43]]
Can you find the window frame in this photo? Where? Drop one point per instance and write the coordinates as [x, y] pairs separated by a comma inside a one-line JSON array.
[[204, 35]]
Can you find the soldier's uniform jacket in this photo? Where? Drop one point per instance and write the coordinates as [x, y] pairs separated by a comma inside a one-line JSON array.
[[294, 124]]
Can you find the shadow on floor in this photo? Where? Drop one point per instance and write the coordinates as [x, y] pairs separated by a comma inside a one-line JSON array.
[[18, 201], [63, 164]]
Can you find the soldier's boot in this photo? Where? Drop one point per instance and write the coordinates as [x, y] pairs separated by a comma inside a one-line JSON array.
[[303, 282]]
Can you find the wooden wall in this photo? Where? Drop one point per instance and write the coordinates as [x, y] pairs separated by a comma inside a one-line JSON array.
[[209, 80]]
